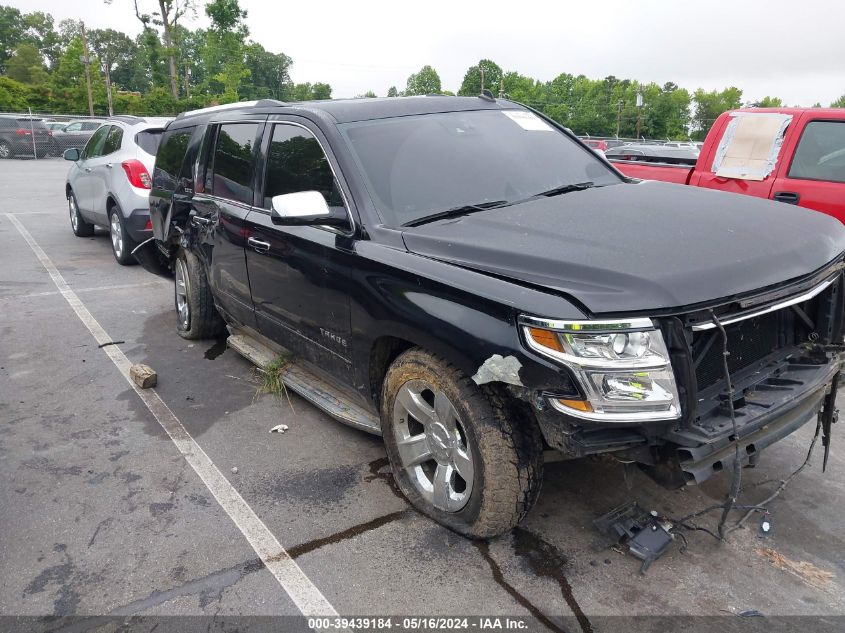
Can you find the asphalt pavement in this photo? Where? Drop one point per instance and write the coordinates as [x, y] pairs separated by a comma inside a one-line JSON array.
[[103, 512]]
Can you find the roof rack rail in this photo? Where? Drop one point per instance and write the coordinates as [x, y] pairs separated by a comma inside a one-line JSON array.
[[487, 96], [128, 118], [264, 103], [218, 108]]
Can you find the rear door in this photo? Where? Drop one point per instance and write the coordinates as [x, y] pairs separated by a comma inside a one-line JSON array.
[[221, 209], [83, 182], [299, 274], [815, 176]]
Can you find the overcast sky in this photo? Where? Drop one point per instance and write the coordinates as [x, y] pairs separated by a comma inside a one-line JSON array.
[[793, 50]]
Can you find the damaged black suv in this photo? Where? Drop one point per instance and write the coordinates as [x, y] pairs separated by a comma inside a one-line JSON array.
[[467, 279]]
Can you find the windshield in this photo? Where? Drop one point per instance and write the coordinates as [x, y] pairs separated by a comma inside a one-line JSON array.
[[416, 166]]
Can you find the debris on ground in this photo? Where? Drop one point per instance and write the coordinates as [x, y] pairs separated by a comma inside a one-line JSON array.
[[234, 470], [807, 572], [279, 428], [102, 345], [645, 535], [143, 375]]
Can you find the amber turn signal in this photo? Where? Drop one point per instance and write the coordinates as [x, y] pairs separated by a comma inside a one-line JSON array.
[[579, 405], [546, 338]]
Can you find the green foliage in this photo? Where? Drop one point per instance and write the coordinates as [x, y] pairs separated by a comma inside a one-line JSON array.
[[27, 66], [424, 82], [471, 85], [768, 102], [839, 103], [14, 96], [709, 105], [392, 92]]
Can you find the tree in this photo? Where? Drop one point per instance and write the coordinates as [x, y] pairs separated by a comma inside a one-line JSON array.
[[14, 96], [424, 82], [709, 105], [471, 85], [268, 73], [167, 17], [767, 102], [224, 48], [321, 91], [27, 66], [839, 103], [11, 33], [392, 92]]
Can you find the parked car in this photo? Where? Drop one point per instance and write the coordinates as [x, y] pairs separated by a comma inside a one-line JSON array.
[[652, 153], [109, 182], [16, 137], [53, 126], [465, 278], [798, 158], [76, 133]]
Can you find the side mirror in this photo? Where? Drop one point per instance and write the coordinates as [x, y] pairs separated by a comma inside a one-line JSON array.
[[72, 154], [306, 208]]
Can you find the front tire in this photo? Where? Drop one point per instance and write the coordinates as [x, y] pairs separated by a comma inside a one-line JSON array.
[[457, 453], [5, 150], [81, 227], [122, 244], [197, 317]]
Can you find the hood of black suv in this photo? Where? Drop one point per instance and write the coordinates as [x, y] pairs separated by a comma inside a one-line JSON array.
[[638, 247]]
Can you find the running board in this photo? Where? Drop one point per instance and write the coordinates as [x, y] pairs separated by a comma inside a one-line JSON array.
[[308, 385]]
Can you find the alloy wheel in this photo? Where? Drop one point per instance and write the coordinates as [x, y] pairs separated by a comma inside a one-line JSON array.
[[432, 445], [116, 234], [5, 150], [182, 307], [74, 217]]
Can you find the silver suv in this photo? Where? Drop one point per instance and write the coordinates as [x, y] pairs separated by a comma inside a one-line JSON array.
[[109, 182]]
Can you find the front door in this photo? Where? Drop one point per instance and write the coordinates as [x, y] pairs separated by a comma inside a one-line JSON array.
[[102, 168], [83, 184], [299, 274], [221, 211]]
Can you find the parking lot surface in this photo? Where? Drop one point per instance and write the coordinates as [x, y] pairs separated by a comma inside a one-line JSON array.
[[102, 512]]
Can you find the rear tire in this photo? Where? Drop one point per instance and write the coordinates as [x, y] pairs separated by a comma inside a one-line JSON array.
[[465, 431], [122, 244], [5, 150], [80, 226], [197, 317]]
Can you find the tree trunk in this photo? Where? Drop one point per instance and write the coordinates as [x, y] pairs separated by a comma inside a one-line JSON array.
[[168, 42]]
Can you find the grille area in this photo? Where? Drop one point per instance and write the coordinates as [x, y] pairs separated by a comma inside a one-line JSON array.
[[748, 342]]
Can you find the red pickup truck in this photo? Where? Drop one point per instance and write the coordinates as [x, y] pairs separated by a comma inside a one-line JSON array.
[[793, 155]]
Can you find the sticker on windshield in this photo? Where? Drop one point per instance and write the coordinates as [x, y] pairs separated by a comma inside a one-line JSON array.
[[527, 120]]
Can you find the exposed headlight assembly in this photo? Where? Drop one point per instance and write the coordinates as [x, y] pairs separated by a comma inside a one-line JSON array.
[[622, 366]]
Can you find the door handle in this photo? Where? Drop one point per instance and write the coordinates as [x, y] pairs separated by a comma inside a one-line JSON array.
[[258, 245], [789, 197]]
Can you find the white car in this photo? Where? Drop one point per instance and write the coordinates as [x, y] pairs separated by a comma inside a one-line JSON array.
[[109, 182]]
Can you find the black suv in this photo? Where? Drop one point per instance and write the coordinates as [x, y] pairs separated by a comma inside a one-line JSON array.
[[17, 134], [467, 279]]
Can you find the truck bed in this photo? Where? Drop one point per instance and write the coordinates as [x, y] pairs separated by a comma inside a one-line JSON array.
[[654, 171]]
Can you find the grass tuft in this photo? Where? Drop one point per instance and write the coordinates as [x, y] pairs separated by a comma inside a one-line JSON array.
[[271, 378]]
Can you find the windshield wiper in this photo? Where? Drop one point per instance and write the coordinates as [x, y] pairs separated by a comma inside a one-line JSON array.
[[556, 191], [464, 209]]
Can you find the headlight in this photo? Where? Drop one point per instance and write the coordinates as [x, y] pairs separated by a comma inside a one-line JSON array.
[[622, 366]]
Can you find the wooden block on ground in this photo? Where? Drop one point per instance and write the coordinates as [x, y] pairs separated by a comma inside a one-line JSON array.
[[143, 375]]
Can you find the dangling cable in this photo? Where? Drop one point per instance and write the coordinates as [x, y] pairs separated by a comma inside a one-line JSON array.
[[736, 482]]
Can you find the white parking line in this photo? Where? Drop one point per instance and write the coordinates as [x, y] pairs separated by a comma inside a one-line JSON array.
[[308, 599], [53, 293]]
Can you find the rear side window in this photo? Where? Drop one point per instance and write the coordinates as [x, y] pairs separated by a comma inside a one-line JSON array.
[[296, 162], [820, 154], [113, 140], [170, 160], [232, 162], [148, 140], [93, 125]]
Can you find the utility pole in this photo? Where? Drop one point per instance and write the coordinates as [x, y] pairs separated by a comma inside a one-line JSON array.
[[502, 88], [639, 112], [481, 68], [86, 61], [107, 71], [619, 116]]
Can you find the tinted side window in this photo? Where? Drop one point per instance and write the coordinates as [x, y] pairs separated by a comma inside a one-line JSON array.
[[113, 140], [820, 154], [94, 147], [148, 140], [170, 158], [232, 162], [296, 162], [93, 125], [73, 127]]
